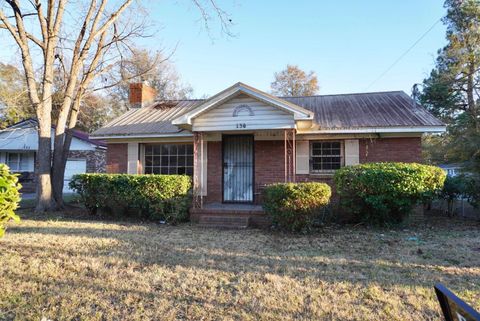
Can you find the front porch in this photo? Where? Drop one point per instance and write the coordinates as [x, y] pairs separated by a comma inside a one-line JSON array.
[[235, 167]]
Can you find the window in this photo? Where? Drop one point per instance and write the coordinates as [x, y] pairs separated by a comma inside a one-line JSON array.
[[325, 156], [169, 159], [19, 162]]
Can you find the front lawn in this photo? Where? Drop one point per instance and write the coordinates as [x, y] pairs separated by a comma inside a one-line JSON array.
[[63, 268]]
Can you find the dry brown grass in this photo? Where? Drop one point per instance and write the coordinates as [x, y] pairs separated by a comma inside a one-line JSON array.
[[64, 269]]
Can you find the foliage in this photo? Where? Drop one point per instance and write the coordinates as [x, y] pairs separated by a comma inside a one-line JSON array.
[[154, 68], [451, 92], [461, 186], [384, 193], [14, 103], [9, 197], [293, 206], [293, 81], [157, 197], [454, 188]]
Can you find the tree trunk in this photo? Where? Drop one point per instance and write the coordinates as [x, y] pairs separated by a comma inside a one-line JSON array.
[[472, 106], [45, 202], [58, 170]]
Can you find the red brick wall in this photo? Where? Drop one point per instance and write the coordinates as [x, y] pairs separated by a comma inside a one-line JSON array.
[[269, 162], [117, 158], [405, 149], [214, 172]]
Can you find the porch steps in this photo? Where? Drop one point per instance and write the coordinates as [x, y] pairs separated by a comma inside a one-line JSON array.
[[224, 221], [233, 216]]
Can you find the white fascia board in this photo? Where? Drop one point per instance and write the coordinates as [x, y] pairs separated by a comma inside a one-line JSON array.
[[298, 112], [142, 136], [419, 129]]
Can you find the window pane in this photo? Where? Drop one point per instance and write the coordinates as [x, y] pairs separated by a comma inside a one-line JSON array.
[[181, 149], [24, 162], [13, 160], [189, 149], [148, 150], [181, 170], [164, 160], [164, 149]]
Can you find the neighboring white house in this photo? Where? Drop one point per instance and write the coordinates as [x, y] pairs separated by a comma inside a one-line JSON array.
[[18, 149]]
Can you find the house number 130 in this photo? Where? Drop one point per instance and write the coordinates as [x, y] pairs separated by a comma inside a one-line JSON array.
[[241, 125]]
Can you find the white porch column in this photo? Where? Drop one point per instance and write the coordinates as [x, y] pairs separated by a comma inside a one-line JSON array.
[[198, 173]]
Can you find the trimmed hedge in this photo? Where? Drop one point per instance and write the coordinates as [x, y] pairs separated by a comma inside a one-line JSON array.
[[9, 197], [157, 197], [384, 193], [292, 206]]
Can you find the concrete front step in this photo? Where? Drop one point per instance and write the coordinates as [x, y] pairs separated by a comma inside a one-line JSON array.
[[224, 221]]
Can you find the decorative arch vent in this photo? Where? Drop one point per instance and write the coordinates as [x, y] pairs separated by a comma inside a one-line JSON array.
[[241, 108]]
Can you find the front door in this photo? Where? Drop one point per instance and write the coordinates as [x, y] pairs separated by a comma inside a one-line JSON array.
[[238, 168]]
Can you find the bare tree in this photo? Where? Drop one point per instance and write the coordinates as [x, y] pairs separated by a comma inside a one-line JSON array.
[[153, 67], [293, 81], [84, 39]]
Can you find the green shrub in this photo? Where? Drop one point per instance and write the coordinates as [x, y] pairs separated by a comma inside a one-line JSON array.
[[384, 193], [461, 186], [9, 197], [293, 206], [454, 188], [157, 197]]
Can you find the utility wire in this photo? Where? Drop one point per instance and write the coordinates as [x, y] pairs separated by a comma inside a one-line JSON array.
[[403, 54]]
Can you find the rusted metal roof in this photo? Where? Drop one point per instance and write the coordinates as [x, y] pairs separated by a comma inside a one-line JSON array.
[[150, 120], [382, 109]]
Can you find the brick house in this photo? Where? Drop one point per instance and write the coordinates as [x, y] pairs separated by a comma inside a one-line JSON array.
[[241, 139], [18, 149]]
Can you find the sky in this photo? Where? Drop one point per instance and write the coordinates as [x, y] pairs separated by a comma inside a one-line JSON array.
[[348, 43]]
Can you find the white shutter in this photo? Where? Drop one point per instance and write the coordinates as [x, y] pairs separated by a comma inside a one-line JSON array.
[[352, 152], [302, 160], [132, 152]]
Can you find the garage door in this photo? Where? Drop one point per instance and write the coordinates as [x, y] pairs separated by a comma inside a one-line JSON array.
[[74, 166]]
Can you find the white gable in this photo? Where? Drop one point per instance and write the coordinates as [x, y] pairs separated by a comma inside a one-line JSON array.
[[243, 113]]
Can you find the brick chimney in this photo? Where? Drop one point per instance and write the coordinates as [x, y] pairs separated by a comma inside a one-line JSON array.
[[141, 95]]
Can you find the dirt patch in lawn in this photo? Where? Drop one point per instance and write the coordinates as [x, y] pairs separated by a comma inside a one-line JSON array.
[[65, 268]]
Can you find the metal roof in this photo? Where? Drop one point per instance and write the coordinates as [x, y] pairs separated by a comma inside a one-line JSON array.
[[154, 119], [381, 109]]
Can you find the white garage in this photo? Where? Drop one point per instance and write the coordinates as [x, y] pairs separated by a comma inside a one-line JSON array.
[[73, 166]]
